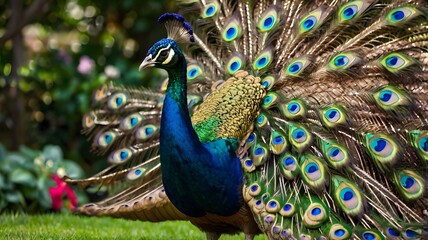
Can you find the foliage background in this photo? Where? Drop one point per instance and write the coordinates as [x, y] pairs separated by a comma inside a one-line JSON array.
[[53, 54]]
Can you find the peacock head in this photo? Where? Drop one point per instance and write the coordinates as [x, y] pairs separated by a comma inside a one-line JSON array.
[[163, 54]]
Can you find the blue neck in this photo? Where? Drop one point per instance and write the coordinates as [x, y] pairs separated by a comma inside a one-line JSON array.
[[176, 123], [198, 177]]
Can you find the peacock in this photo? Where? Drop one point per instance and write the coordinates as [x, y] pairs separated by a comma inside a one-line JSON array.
[[298, 119]]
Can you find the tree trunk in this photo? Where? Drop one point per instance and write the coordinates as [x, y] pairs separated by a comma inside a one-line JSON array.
[[18, 127], [19, 18]]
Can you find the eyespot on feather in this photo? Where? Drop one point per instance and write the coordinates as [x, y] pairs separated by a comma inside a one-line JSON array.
[[268, 20], [336, 154], [295, 108], [131, 121], [235, 63], [347, 196], [232, 30], [312, 20], [372, 234], [270, 100], [299, 136], [313, 172], [315, 215], [401, 15], [117, 100], [88, 120], [248, 165], [261, 120], [210, 9], [352, 10], [383, 148], [106, 138], [343, 61], [194, 71], [268, 82], [146, 131], [333, 116], [100, 94], [120, 155], [289, 166], [389, 98], [136, 173], [419, 141], [396, 61], [339, 231], [410, 184], [297, 66], [278, 142], [288, 209], [263, 60]]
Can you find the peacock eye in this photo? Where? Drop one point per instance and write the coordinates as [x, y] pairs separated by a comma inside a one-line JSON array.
[[352, 10], [410, 184], [396, 61], [163, 54], [401, 14]]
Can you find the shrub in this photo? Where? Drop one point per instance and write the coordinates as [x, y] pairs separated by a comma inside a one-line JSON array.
[[27, 175]]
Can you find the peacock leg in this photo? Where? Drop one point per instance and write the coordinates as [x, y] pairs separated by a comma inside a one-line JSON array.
[[212, 235], [249, 236]]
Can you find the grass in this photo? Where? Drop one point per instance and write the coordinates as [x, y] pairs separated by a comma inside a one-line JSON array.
[[67, 226]]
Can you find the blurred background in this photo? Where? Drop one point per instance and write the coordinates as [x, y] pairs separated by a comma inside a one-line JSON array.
[[53, 54]]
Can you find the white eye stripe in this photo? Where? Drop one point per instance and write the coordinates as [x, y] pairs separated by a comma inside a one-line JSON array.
[[170, 55], [161, 50]]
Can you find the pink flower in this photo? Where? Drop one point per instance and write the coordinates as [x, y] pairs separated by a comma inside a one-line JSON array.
[[86, 65], [57, 193]]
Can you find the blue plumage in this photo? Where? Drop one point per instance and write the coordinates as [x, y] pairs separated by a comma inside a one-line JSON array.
[[198, 177]]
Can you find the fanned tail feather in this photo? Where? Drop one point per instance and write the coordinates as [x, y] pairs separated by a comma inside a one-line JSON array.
[[125, 122], [334, 151]]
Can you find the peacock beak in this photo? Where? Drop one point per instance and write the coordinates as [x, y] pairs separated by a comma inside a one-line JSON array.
[[147, 62]]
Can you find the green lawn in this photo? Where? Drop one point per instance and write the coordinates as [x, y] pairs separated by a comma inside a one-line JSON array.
[[67, 226]]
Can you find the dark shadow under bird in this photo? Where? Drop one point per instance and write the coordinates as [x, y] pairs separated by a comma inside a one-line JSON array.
[[299, 119]]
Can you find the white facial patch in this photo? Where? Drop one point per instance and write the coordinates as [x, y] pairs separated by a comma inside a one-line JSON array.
[[161, 50], [168, 59]]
